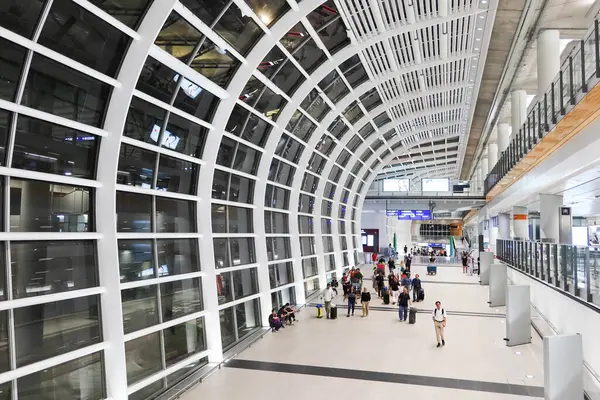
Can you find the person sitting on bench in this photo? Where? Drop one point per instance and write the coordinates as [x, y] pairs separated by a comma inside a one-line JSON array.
[[274, 322]]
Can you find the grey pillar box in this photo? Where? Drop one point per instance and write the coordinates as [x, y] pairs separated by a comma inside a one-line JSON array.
[[497, 285], [518, 315], [486, 258], [563, 367]]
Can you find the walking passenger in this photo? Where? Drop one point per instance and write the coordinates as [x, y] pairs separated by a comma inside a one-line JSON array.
[[373, 258], [416, 286], [365, 298], [357, 279], [395, 288], [346, 285], [328, 296], [465, 260], [403, 303], [380, 283], [439, 320], [351, 303], [405, 281]]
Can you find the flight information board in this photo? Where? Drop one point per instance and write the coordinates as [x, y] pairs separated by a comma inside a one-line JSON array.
[[410, 214]]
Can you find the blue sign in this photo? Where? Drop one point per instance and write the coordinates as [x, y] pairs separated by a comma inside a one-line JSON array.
[[414, 215]]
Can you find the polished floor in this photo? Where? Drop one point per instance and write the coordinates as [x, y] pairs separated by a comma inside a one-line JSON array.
[[379, 356]]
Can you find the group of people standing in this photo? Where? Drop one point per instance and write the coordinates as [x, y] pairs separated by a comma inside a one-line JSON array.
[[468, 263]]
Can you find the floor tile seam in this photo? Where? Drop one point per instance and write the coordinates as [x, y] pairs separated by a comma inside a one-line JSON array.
[[389, 377]]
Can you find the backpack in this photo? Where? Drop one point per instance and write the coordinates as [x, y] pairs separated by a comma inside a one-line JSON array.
[[435, 311]]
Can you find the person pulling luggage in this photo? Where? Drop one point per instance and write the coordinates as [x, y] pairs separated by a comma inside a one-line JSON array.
[[328, 296], [403, 303]]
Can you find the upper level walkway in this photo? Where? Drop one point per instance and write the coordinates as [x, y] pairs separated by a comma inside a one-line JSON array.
[[379, 357]]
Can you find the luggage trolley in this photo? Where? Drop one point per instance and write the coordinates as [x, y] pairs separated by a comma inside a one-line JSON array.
[[431, 269]]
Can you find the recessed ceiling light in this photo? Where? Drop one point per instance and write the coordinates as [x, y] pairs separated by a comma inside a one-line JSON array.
[[478, 39], [476, 48], [479, 29], [482, 16], [518, 353], [529, 376], [483, 1]]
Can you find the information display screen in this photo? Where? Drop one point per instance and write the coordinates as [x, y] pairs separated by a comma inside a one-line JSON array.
[[435, 185], [410, 214], [396, 185]]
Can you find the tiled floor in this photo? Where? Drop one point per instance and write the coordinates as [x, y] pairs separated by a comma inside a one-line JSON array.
[[352, 348]]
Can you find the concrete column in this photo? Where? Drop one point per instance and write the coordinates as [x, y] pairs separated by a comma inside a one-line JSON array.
[[563, 367], [492, 155], [518, 110], [520, 219], [503, 226], [484, 167], [478, 179], [548, 58], [503, 136], [549, 205], [493, 236]]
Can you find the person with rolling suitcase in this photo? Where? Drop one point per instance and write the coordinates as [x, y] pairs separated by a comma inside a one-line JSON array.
[[403, 303]]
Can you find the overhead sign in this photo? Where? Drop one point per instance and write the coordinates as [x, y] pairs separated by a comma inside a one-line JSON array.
[[413, 214]]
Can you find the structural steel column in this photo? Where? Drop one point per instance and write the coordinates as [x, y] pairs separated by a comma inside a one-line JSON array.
[[548, 59], [549, 208], [521, 223]]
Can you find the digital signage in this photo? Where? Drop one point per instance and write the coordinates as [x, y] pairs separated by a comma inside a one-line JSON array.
[[410, 214]]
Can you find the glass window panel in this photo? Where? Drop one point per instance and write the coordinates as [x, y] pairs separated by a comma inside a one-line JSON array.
[[57, 89], [83, 376], [241, 189], [237, 29], [193, 99], [282, 297], [295, 36], [371, 99], [157, 80], [226, 152], [276, 197], [247, 317], [248, 126], [309, 183], [306, 204], [78, 34], [354, 71], [184, 340], [315, 106], [228, 332], [219, 186], [335, 173], [21, 17], [270, 104], [144, 121], [327, 243], [309, 56], [246, 159], [143, 357], [280, 222], [184, 136], [4, 355], [4, 127], [12, 58], [45, 147], [281, 274], [307, 246], [304, 128], [338, 128], [278, 248], [288, 78], [353, 112], [176, 175], [173, 215], [329, 191], [289, 149], [334, 36], [282, 173], [240, 220], [306, 224], [214, 63], [136, 260], [219, 218], [345, 195], [48, 330], [343, 158], [326, 207], [271, 63], [381, 119], [139, 308], [136, 166], [37, 206], [242, 251], [130, 12], [40, 268], [268, 10], [325, 226], [133, 212], [316, 163], [325, 145], [179, 298], [309, 267], [221, 250], [334, 87], [342, 227], [354, 143], [177, 256], [178, 37]]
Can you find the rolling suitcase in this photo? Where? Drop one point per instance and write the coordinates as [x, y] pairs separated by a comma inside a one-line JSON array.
[[421, 296], [412, 315], [319, 311], [333, 312]]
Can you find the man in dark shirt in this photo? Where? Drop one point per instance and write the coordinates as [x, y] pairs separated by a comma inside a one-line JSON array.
[[379, 279], [403, 303], [416, 286]]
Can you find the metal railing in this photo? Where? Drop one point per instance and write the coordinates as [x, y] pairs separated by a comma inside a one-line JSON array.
[[574, 269], [579, 72]]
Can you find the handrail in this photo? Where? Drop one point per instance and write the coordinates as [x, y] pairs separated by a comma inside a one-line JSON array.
[[579, 72]]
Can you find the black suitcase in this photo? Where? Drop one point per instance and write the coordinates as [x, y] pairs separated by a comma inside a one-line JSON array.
[[412, 315], [333, 312], [386, 298], [421, 295]]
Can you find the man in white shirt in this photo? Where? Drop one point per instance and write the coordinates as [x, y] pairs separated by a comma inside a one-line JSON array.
[[328, 296], [439, 320]]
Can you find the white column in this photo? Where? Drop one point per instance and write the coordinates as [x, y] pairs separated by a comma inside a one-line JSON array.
[[493, 236], [520, 221], [548, 58], [549, 205], [478, 179], [563, 367], [518, 110], [492, 155], [503, 136], [503, 226], [484, 166]]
